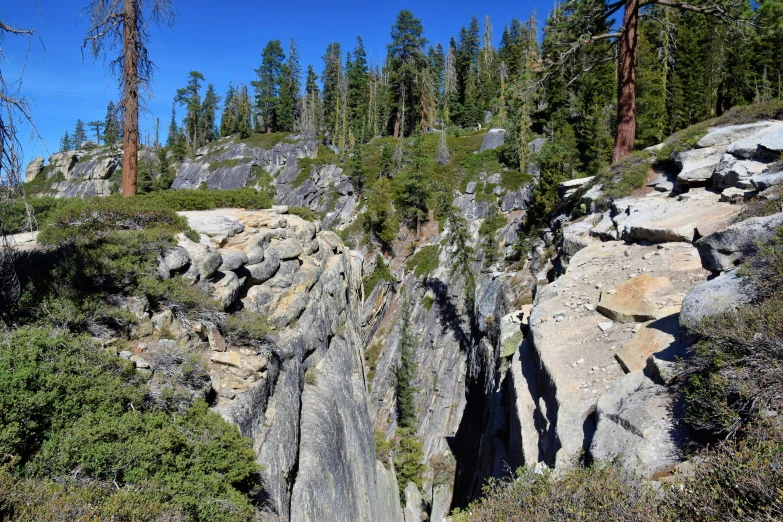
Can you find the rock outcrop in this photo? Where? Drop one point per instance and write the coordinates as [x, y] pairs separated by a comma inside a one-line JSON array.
[[33, 169], [300, 392]]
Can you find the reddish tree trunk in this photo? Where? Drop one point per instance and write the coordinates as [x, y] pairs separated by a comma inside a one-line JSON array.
[[131, 102], [397, 124], [626, 76]]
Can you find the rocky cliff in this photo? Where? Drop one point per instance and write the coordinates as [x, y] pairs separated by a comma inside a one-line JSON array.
[[299, 392]]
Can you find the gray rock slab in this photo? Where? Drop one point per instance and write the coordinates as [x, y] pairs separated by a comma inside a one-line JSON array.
[[260, 272], [759, 144], [724, 136], [725, 293], [727, 248], [767, 180], [636, 423], [494, 138]]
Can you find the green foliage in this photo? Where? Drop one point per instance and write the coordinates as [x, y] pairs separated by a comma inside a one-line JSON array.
[[407, 416], [383, 448], [371, 356], [49, 378], [326, 156], [42, 185], [424, 261], [514, 180], [14, 213], [224, 163], [304, 213], [380, 219], [427, 302], [625, 176], [409, 459], [736, 369], [380, 273], [245, 328], [266, 141], [196, 458]]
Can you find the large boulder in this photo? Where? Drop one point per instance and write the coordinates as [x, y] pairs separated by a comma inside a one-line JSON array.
[[727, 248], [725, 293], [62, 162], [767, 180], [723, 136], [225, 288], [636, 423], [732, 172], [213, 224], [763, 144], [697, 165], [516, 200], [33, 169], [494, 138], [260, 272], [205, 260], [414, 504], [567, 188], [94, 169]]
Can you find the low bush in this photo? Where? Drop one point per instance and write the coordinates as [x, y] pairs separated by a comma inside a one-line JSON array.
[[380, 273], [246, 328], [625, 176], [408, 460], [424, 261], [70, 411]]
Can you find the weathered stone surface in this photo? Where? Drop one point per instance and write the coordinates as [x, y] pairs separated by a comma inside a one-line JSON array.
[[414, 504], [727, 248], [732, 172], [634, 300], [574, 360], [636, 424], [263, 271], [697, 165], [212, 223], [724, 136], [94, 169], [470, 188], [516, 200], [33, 169], [767, 180], [759, 144], [62, 162], [226, 288], [567, 188], [233, 259], [284, 277], [175, 258], [652, 337], [661, 219], [493, 139], [254, 255], [204, 260], [576, 236], [441, 502], [736, 195], [725, 293], [288, 249]]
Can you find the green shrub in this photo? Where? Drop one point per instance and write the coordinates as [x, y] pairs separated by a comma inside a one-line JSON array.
[[383, 448], [326, 156], [14, 214], [409, 459], [371, 356], [246, 328], [304, 213], [197, 458], [380, 273], [266, 141], [424, 261], [427, 302], [49, 378]]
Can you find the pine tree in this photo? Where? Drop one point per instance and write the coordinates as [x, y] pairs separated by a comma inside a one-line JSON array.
[[173, 128], [267, 85], [463, 255], [190, 97], [244, 113], [207, 120], [356, 169], [66, 143], [358, 92], [380, 220], [111, 132], [295, 84], [406, 371], [332, 78], [442, 156], [78, 134], [406, 60], [228, 120], [97, 125], [311, 105], [413, 187]]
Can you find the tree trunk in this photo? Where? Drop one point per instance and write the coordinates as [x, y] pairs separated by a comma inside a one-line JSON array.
[[131, 101], [626, 75]]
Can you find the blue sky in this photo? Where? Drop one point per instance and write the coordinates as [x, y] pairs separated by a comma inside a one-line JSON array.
[[223, 40]]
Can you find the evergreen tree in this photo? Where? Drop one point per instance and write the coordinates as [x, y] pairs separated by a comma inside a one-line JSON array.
[[406, 59], [380, 220], [66, 142], [387, 161], [111, 125], [97, 125], [295, 84], [407, 417], [190, 97], [356, 169], [78, 134], [208, 109], [413, 187], [228, 120], [173, 128], [311, 105], [358, 92], [244, 113], [332, 78], [267, 85], [463, 255]]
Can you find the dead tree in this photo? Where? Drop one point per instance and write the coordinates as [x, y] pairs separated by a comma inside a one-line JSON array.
[[124, 24]]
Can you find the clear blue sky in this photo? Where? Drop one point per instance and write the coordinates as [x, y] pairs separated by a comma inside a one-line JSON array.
[[223, 40]]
